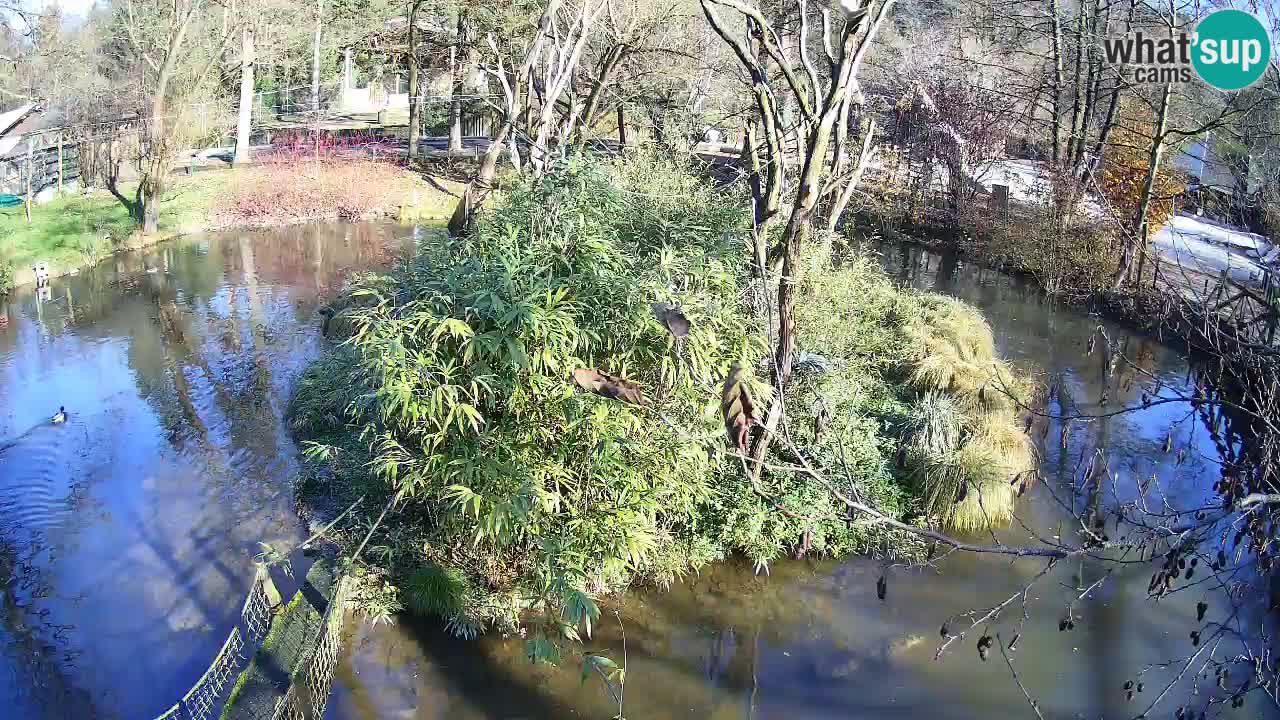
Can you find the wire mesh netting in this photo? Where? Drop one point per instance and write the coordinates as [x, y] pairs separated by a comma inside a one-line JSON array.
[[256, 613], [308, 696], [201, 700]]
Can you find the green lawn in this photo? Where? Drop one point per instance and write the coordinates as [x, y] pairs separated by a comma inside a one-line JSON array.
[[76, 230]]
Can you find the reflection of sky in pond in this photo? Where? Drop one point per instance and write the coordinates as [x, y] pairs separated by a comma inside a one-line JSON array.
[[127, 535], [811, 640]]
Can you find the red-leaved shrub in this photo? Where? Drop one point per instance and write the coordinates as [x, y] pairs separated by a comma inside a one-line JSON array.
[[348, 188]]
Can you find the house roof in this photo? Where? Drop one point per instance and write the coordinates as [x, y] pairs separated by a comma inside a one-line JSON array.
[[16, 123], [1202, 161], [9, 120]]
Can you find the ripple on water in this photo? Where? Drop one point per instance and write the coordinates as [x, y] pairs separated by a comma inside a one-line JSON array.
[[36, 478]]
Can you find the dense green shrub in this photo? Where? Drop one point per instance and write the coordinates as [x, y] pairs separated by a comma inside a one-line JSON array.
[[523, 495], [458, 377]]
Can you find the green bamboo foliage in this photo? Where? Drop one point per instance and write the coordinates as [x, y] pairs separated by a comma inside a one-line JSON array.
[[500, 386]]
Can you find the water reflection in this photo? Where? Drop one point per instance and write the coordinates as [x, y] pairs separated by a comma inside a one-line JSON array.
[[127, 534], [813, 641]]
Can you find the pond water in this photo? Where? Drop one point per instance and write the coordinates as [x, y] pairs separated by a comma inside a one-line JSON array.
[[811, 639], [127, 534]]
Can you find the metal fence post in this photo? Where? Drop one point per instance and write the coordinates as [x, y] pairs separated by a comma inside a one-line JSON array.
[[269, 587]]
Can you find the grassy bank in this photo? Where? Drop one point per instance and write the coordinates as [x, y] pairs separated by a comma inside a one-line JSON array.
[[78, 230], [553, 434]]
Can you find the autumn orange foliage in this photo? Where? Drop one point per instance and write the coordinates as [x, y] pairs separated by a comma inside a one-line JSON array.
[[1124, 174]]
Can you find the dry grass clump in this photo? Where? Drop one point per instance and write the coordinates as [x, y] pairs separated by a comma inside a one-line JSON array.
[[954, 352], [970, 477], [925, 365], [972, 483]]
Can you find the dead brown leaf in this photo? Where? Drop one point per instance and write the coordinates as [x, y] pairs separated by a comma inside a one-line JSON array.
[[672, 318], [601, 383], [737, 407]]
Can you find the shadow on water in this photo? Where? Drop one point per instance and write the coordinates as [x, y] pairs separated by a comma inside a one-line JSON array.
[[127, 535], [812, 640]]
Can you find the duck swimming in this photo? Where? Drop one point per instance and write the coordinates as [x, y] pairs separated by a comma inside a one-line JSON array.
[[59, 417]]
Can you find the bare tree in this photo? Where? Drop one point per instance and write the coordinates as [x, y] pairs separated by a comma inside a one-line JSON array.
[[175, 47], [248, 57], [824, 99], [532, 91]]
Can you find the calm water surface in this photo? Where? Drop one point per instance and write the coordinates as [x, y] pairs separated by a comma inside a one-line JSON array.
[[127, 535], [811, 640]]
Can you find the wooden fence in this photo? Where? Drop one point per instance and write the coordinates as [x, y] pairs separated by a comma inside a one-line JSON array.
[[43, 161]]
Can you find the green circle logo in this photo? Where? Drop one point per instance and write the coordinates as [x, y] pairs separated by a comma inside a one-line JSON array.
[[1232, 49]]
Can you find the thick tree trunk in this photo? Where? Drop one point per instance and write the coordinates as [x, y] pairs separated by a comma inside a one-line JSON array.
[[473, 197], [622, 128], [157, 150], [315, 59], [149, 195], [244, 124], [1138, 243]]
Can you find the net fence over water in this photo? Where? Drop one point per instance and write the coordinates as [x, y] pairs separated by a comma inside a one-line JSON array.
[[256, 613], [308, 694], [202, 700]]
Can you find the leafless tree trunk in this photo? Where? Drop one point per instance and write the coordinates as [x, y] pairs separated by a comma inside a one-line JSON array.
[[1113, 104], [557, 73], [243, 125], [820, 103], [864, 157], [562, 49], [315, 59], [415, 101], [460, 57], [1055, 105], [600, 80], [1138, 242], [1073, 139]]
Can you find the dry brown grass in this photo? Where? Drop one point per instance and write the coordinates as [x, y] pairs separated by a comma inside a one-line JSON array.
[[342, 188]]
